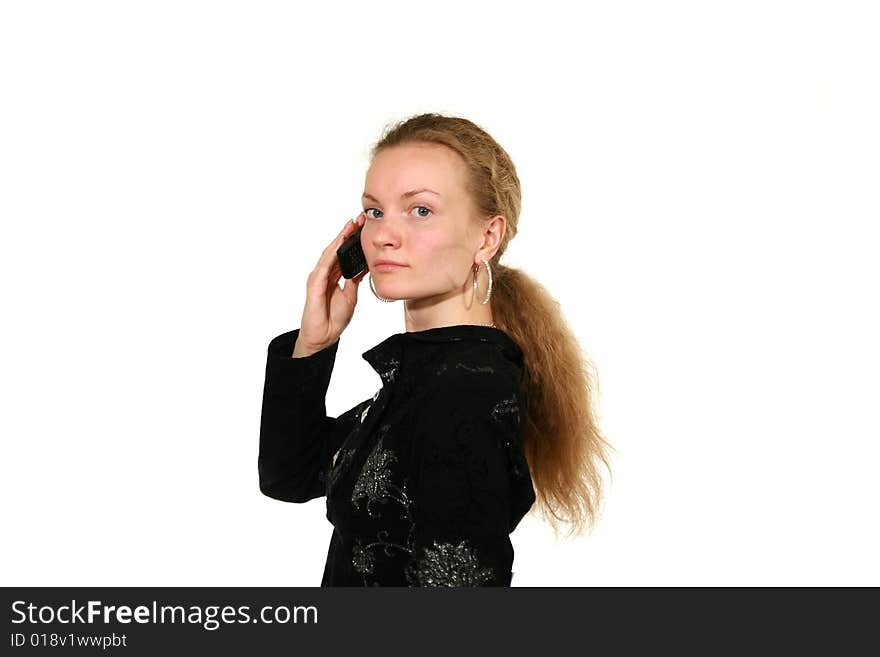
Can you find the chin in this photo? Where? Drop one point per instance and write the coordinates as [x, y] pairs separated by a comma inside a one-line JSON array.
[[387, 291]]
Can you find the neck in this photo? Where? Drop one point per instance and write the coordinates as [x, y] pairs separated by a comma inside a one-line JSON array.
[[424, 326], [456, 307]]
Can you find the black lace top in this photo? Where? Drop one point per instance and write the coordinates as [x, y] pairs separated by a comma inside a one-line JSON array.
[[424, 480]]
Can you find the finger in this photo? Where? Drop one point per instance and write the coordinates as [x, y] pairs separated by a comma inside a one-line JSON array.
[[328, 260], [347, 231]]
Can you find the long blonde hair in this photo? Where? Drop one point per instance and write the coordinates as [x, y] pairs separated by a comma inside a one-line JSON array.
[[563, 442]]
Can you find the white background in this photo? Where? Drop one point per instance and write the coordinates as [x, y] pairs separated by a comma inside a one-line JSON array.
[[700, 193]]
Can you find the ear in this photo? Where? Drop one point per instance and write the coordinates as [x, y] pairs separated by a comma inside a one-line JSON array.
[[492, 236]]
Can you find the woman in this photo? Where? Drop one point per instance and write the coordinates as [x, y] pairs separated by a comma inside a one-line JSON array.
[[486, 398]]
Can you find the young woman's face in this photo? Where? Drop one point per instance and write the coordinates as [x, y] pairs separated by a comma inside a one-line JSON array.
[[431, 233]]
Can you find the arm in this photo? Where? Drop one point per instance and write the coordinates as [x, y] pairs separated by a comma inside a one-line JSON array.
[[297, 438], [474, 486]]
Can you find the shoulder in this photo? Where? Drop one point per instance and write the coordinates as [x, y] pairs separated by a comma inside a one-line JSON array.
[[474, 404], [470, 364], [473, 388]]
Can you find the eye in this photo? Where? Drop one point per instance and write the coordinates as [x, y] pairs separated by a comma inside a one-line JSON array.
[[418, 207]]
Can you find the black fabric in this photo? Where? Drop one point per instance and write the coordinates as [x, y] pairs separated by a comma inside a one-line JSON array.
[[424, 480]]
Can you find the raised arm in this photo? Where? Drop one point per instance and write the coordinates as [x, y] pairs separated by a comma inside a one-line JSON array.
[[297, 438]]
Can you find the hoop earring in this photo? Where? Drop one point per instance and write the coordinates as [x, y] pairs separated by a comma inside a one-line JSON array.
[[374, 290], [489, 290]]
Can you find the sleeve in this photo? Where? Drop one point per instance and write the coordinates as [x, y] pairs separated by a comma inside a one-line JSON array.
[[297, 438], [466, 500]]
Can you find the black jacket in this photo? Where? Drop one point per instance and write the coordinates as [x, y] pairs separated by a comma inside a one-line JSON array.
[[426, 479]]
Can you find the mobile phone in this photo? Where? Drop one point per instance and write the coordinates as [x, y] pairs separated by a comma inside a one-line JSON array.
[[352, 260]]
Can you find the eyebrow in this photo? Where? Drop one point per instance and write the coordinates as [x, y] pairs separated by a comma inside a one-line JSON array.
[[411, 192]]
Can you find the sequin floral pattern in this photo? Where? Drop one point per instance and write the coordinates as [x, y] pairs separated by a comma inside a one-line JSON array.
[[445, 564], [442, 564], [506, 414], [375, 482]]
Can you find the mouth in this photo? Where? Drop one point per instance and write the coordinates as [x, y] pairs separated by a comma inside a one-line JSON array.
[[386, 267]]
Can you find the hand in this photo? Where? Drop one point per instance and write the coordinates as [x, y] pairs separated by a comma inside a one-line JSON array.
[[329, 308]]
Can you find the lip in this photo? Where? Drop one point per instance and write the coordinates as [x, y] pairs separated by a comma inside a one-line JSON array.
[[386, 265]]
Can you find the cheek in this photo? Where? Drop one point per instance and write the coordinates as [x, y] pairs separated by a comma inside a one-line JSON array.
[[442, 259], [438, 250]]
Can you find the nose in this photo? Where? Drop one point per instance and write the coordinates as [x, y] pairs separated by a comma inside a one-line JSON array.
[[385, 232]]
